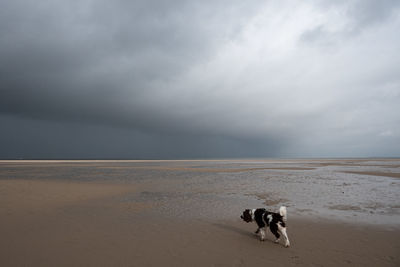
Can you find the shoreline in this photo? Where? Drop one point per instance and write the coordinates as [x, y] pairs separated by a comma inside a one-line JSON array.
[[290, 160]]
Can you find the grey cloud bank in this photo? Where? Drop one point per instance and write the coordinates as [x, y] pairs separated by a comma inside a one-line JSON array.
[[178, 79]]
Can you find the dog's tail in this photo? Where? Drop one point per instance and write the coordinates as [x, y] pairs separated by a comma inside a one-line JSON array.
[[283, 213]]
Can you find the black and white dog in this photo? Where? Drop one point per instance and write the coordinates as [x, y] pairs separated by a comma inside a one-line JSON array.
[[265, 218]]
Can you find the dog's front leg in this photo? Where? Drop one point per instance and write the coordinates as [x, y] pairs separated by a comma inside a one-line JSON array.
[[262, 234], [257, 231]]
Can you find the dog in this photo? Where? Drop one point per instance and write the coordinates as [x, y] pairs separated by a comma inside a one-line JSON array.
[[264, 218]]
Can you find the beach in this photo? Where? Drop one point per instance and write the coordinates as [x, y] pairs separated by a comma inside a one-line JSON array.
[[187, 213]]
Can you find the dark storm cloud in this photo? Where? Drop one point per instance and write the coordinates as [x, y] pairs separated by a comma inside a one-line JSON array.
[[99, 61], [188, 78], [33, 139]]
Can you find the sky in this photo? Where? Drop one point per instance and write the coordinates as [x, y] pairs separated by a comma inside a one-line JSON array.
[[151, 79]]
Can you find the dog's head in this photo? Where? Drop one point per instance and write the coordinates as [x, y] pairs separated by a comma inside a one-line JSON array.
[[246, 216]]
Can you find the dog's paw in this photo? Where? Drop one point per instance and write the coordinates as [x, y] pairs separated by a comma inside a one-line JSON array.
[[287, 245], [277, 240]]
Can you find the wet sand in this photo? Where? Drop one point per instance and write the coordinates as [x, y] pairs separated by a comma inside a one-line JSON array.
[[51, 215]]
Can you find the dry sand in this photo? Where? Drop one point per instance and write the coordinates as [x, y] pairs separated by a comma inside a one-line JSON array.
[[59, 223]]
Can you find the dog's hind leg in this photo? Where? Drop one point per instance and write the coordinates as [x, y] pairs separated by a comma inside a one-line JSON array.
[[282, 230], [274, 230]]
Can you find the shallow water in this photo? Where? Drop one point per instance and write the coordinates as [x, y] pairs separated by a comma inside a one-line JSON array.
[[353, 190]]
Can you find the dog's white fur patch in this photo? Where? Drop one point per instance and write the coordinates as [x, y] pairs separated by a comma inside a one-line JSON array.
[[269, 219]]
